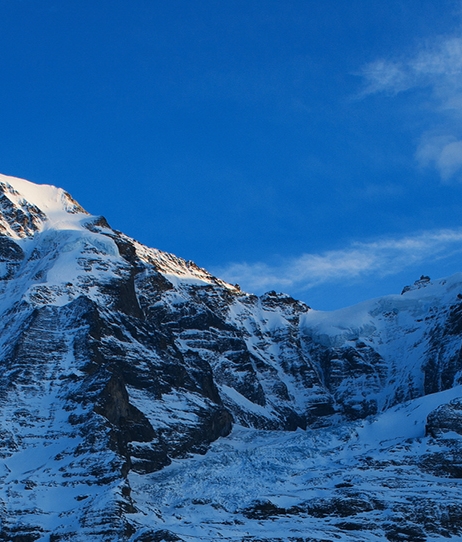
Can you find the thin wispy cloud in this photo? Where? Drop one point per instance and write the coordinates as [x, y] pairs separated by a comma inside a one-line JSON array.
[[380, 258], [444, 152], [438, 67]]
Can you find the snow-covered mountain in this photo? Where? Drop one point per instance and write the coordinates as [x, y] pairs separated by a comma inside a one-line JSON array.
[[143, 399]]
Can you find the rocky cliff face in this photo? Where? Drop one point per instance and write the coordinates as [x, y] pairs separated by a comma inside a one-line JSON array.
[[118, 360]]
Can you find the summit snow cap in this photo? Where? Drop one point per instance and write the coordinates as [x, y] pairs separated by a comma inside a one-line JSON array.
[[26, 208]]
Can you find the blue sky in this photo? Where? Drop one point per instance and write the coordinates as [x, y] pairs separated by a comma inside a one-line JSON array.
[[304, 146]]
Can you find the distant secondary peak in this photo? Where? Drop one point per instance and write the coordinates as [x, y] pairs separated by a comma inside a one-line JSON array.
[[420, 283]]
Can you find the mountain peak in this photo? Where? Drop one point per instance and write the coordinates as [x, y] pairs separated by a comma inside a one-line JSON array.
[[27, 208], [117, 359]]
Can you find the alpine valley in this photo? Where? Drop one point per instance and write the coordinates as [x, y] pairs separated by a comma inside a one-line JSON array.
[[143, 399]]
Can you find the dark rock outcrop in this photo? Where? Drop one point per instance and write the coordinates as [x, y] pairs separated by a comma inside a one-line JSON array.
[[446, 418]]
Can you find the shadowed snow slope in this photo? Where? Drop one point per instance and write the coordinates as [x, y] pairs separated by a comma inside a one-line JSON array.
[[144, 399]]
